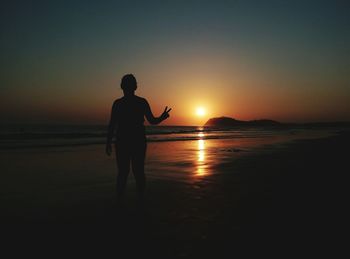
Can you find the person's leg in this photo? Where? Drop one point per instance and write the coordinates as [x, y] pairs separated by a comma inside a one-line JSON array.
[[138, 164], [123, 164]]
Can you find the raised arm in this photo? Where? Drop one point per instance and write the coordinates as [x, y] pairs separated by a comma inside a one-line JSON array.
[[156, 120], [111, 129]]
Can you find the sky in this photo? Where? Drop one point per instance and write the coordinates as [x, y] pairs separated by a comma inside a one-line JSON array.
[[62, 61]]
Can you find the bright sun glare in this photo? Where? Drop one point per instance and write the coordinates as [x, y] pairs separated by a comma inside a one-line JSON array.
[[200, 111]]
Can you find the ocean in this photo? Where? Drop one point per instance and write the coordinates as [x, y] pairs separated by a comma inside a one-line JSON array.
[[36, 136]]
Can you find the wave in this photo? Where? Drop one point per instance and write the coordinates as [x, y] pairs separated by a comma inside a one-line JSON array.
[[64, 136], [17, 137], [70, 142], [93, 132]]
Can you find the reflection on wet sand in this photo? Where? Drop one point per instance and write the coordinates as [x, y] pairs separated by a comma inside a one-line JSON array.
[[195, 159], [200, 163]]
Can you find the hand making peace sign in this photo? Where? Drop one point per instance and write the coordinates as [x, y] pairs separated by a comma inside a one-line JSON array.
[[165, 113]]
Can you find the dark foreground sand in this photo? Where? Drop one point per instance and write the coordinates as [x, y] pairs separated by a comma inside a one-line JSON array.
[[288, 201]]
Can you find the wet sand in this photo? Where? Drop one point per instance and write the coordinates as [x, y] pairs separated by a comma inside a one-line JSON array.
[[278, 200]]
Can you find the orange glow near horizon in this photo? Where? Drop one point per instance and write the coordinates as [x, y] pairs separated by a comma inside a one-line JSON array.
[[197, 88]]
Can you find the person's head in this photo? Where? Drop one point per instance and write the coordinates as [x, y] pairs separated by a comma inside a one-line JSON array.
[[128, 83]]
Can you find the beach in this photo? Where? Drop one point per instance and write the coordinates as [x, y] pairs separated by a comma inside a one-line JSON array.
[[244, 106], [205, 198]]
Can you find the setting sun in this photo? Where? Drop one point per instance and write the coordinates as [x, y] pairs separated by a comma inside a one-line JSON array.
[[200, 111]]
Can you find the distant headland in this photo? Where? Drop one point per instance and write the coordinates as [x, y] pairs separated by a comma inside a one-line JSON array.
[[231, 122]]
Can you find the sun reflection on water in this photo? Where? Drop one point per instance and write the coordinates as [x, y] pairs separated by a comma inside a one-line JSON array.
[[200, 163]]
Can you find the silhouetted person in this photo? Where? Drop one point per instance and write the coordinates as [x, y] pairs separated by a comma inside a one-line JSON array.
[[127, 118]]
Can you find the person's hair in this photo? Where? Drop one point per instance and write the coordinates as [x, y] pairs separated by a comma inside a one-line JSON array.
[[128, 83]]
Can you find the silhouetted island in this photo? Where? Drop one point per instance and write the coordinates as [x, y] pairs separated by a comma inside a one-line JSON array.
[[231, 122]]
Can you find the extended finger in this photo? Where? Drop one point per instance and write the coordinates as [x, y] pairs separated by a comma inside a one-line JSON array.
[[166, 107], [169, 110]]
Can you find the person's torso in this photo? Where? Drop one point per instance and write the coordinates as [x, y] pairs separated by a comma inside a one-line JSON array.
[[130, 118]]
